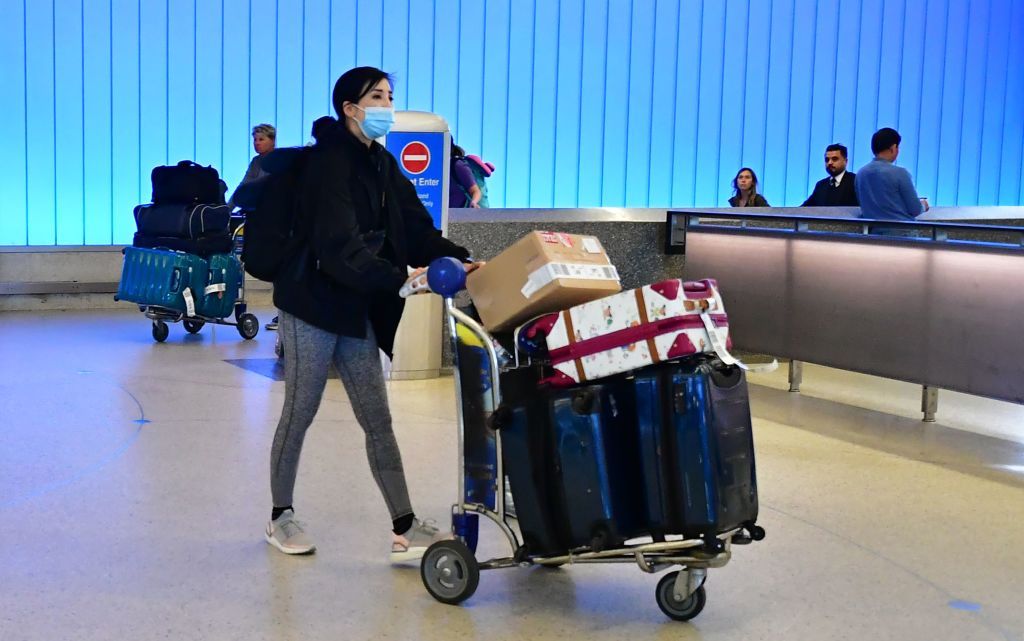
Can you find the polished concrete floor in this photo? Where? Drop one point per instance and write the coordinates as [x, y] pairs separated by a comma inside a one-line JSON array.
[[134, 491]]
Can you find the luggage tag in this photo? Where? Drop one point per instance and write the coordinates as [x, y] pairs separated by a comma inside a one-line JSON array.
[[217, 288], [722, 353], [190, 305]]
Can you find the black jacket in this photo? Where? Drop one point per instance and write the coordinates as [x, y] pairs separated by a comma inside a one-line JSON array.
[[825, 195], [757, 201], [364, 224]]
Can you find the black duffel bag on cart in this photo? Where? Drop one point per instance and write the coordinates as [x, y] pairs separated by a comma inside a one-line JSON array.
[[203, 247], [187, 182], [182, 221]]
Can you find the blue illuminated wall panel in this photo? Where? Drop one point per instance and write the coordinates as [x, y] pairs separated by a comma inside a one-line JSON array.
[[631, 103]]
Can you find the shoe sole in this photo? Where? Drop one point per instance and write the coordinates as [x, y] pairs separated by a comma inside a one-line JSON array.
[[296, 551]]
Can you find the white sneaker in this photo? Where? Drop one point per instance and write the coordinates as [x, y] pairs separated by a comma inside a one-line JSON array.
[[287, 534], [413, 544]]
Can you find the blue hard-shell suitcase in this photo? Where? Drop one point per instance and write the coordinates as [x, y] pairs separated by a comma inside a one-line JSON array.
[[698, 455], [524, 422], [223, 287], [597, 463], [161, 278], [659, 499]]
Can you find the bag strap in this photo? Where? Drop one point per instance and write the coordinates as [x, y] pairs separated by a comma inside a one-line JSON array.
[[723, 354]]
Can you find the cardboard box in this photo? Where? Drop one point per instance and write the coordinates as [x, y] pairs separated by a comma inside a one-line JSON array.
[[541, 273]]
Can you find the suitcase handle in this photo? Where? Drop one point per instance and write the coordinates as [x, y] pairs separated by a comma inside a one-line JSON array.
[[176, 280]]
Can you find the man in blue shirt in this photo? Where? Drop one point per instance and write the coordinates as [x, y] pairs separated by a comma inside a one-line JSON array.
[[885, 191]]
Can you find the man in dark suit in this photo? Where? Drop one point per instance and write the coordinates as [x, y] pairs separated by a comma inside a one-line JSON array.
[[837, 190]]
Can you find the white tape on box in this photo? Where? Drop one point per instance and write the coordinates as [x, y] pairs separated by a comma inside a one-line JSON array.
[[554, 271]]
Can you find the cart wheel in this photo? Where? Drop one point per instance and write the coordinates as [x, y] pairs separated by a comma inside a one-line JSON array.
[[450, 572], [193, 326], [673, 608], [248, 326], [160, 331]]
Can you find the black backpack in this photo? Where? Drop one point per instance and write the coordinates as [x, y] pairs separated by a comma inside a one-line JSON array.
[[187, 183], [271, 236]]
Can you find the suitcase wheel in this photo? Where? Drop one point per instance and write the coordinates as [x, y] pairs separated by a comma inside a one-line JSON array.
[[450, 572], [248, 326], [160, 331], [583, 402], [678, 610], [193, 326], [599, 542], [500, 417]]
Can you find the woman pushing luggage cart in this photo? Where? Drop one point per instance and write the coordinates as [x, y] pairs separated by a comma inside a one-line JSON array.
[[654, 468]]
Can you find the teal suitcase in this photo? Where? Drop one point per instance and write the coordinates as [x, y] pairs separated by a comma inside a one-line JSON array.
[[161, 278], [223, 287]]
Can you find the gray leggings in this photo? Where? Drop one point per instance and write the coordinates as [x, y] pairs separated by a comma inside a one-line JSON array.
[[308, 352]]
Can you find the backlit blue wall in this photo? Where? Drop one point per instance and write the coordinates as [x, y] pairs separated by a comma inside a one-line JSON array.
[[578, 102]]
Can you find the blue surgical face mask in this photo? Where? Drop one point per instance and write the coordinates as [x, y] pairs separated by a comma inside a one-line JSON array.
[[377, 122]]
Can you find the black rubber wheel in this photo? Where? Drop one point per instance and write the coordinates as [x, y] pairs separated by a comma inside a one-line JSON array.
[[450, 572], [193, 326], [248, 326], [583, 402], [673, 608], [160, 331], [756, 532]]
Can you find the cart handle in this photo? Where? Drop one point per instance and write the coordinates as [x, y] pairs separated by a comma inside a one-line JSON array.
[[445, 276]]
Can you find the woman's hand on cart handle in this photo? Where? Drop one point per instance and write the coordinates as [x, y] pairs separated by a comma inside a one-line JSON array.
[[415, 284]]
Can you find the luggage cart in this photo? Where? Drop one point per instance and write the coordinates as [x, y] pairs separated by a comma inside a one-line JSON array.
[[450, 569], [247, 324]]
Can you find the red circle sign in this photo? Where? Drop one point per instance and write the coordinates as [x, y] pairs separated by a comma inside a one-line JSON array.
[[415, 157]]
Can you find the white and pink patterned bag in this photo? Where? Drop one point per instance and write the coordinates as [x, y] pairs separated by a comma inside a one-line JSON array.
[[634, 329]]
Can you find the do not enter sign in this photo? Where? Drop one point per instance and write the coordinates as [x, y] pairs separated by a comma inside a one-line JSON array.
[[415, 157]]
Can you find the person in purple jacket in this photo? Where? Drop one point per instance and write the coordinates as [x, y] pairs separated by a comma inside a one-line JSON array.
[[462, 189]]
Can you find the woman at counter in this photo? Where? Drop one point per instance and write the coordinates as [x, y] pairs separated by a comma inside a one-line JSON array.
[[744, 187]]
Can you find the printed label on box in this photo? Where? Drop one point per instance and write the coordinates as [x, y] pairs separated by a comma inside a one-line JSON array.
[[552, 271]]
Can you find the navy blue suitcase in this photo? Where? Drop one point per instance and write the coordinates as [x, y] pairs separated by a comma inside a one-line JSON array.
[[659, 499], [597, 463], [698, 454], [524, 424]]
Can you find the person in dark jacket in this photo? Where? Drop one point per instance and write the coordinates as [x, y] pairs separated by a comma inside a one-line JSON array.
[[838, 189], [264, 140], [744, 185], [338, 300]]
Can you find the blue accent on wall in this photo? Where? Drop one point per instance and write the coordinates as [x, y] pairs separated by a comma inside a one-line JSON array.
[[578, 102]]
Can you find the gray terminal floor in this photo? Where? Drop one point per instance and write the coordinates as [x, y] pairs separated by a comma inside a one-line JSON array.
[[134, 492]]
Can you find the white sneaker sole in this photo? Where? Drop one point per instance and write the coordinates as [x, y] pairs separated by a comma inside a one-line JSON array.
[[412, 554], [277, 544]]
